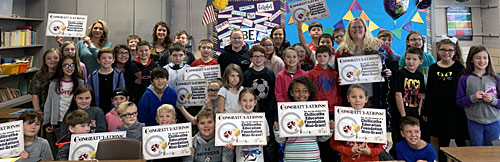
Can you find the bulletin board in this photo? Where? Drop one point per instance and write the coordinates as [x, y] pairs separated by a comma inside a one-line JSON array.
[[459, 22], [375, 16], [255, 18]]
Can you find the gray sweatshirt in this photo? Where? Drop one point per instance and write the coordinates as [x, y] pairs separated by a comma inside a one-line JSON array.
[[39, 150], [207, 151], [133, 132], [51, 107]]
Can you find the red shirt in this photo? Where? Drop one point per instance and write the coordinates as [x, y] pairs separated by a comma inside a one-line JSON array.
[[199, 62]]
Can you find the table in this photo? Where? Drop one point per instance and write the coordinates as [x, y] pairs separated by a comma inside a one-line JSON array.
[[473, 153], [5, 115]]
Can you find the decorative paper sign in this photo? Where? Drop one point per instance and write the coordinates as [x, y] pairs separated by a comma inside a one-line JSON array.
[[263, 14], [224, 16], [311, 10], [224, 35], [261, 20], [251, 15], [261, 28], [364, 125], [360, 69], [234, 26], [84, 146], [263, 7], [247, 7], [203, 72], [235, 20], [164, 141], [247, 22], [222, 26], [275, 15], [262, 35], [270, 24], [225, 41], [240, 129], [303, 118], [191, 92], [249, 34], [228, 8], [66, 25], [11, 139], [238, 13]]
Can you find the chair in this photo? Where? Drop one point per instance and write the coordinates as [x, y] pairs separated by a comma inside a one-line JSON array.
[[119, 149]]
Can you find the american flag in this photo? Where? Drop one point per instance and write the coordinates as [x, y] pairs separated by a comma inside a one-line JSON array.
[[208, 14]]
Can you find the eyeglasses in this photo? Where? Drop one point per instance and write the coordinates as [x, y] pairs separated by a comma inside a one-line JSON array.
[[267, 45], [415, 39], [123, 53], [129, 115], [69, 65], [259, 56], [237, 37], [213, 90], [338, 36], [447, 50], [205, 47]]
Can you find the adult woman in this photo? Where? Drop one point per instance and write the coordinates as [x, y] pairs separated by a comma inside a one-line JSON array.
[[358, 41], [160, 44], [278, 36], [273, 62], [96, 39]]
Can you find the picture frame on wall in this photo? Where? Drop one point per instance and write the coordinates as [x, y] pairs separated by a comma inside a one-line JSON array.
[[459, 22]]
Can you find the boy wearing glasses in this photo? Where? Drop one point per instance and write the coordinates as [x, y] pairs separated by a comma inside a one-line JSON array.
[[261, 80], [338, 35], [105, 79], [205, 47], [157, 94], [128, 115]]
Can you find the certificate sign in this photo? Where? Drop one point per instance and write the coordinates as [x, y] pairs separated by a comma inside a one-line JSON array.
[[360, 69], [364, 125], [310, 10], [11, 139], [84, 146], [164, 141], [241, 129], [303, 118], [191, 92], [203, 72], [66, 25]]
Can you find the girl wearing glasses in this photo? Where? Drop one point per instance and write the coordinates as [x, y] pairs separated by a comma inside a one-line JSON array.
[[273, 62], [122, 58], [441, 111], [415, 39], [210, 102], [83, 99], [61, 88]]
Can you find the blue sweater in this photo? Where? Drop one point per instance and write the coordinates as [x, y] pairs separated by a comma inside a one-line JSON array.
[[149, 103], [93, 81], [406, 153]]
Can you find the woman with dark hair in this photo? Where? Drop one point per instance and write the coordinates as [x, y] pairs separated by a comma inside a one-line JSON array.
[[96, 39], [278, 36], [161, 43]]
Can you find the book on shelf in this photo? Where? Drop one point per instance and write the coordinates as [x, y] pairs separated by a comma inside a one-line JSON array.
[[24, 36], [9, 94]]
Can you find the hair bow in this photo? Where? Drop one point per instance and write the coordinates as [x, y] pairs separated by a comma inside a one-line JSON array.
[[452, 39]]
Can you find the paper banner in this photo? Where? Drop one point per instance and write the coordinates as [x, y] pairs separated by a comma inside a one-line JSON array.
[[290, 21], [305, 27], [417, 18], [66, 25], [408, 26], [340, 24], [310, 10], [372, 26], [355, 6], [328, 31], [164, 141], [11, 139], [360, 69], [397, 33], [191, 92], [348, 16], [240, 129], [83, 146], [364, 16], [362, 125], [297, 119]]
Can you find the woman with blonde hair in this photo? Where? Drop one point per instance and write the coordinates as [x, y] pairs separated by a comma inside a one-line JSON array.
[[96, 39]]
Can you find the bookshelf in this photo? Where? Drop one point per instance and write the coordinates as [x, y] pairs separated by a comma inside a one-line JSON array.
[[29, 13]]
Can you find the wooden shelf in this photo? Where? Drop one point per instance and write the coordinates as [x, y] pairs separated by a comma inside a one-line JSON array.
[[30, 70], [18, 47], [20, 18], [16, 101]]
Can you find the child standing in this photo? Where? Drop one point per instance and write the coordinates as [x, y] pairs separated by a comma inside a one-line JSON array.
[[139, 74], [447, 119], [83, 99], [120, 95], [315, 31], [38, 85], [78, 122], [165, 115], [69, 48], [261, 81], [352, 151], [35, 148], [477, 93], [105, 79], [122, 58], [410, 84], [181, 37], [236, 52], [327, 40], [177, 67], [338, 35], [304, 63], [301, 148], [128, 115], [205, 47], [272, 61], [248, 101], [415, 39], [132, 41], [229, 93], [284, 77], [413, 148], [158, 93], [204, 141]]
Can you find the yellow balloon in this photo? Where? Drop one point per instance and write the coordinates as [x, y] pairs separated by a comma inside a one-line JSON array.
[[220, 4]]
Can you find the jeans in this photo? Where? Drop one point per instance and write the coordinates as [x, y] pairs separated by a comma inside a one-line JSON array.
[[483, 133]]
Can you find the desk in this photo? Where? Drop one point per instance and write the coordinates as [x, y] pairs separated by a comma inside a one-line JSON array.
[[102, 161], [467, 154], [5, 115]]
